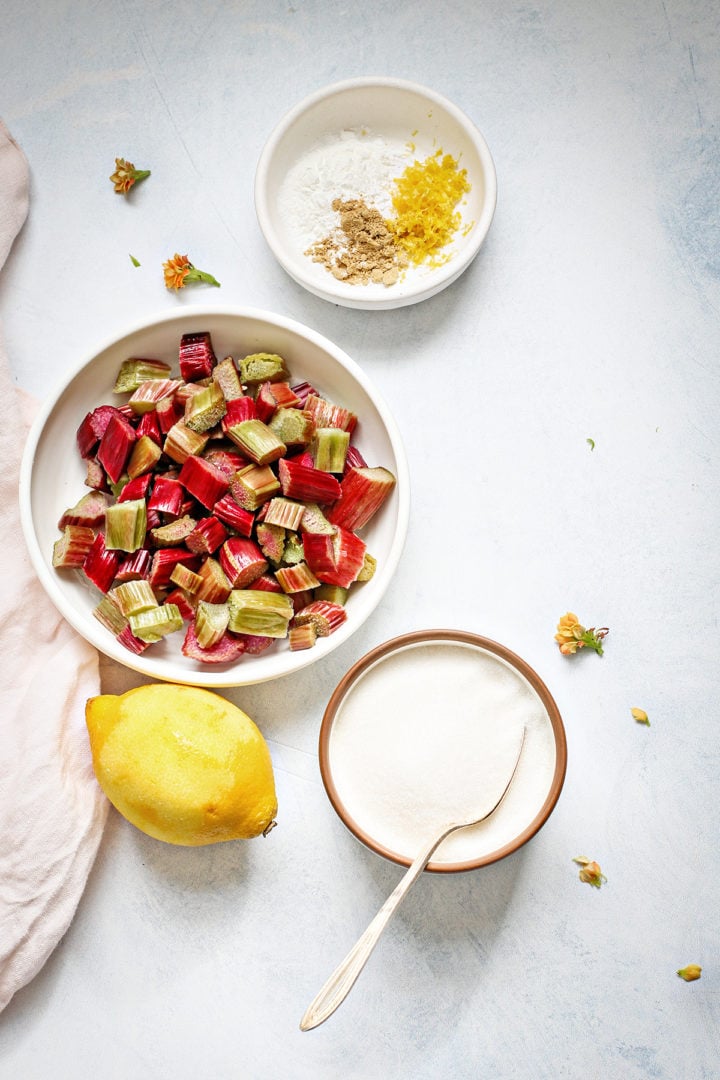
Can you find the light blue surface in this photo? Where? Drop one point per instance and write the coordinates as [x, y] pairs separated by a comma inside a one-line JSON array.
[[591, 313]]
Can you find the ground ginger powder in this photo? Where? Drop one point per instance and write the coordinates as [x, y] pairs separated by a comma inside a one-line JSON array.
[[362, 249], [425, 202]]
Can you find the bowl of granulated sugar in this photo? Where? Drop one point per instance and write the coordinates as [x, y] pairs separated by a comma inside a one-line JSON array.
[[375, 193]]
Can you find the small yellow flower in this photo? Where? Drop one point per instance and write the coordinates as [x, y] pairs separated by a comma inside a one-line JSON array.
[[126, 175], [641, 716], [179, 271], [690, 973], [571, 635], [590, 872]]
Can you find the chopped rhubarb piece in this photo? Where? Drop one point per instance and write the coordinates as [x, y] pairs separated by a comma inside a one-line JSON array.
[[197, 358], [256, 441], [156, 623], [110, 616], [326, 414], [134, 644], [314, 521], [254, 644], [238, 411], [293, 553], [95, 475], [302, 637], [215, 586], [271, 539], [167, 496], [134, 596], [203, 480], [174, 533], [242, 560], [336, 594], [225, 651], [268, 582], [302, 391], [164, 562], [226, 375], [284, 512], [101, 565], [368, 568], [185, 578], [354, 459], [205, 409], [306, 483], [227, 461], [324, 615], [181, 442], [182, 601], [211, 622], [144, 457], [88, 511], [207, 536], [135, 371], [149, 426], [255, 611], [92, 429], [134, 566], [301, 600], [167, 414], [329, 449], [362, 493], [294, 579], [137, 488], [252, 486], [115, 446], [234, 516], [262, 367], [336, 559], [292, 426], [126, 525], [272, 396], [73, 547], [148, 394]]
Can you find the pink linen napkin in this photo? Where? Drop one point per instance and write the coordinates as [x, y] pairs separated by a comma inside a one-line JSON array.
[[52, 811]]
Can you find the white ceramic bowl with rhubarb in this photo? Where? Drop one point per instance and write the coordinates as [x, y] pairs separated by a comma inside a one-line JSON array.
[[375, 192], [219, 497]]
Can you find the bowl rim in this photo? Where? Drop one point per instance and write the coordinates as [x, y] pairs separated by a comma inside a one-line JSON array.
[[444, 275], [397, 644], [208, 676]]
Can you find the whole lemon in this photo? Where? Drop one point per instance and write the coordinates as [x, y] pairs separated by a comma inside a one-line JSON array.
[[182, 764]]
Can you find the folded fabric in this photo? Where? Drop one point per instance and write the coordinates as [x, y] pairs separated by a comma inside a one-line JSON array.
[[52, 811]]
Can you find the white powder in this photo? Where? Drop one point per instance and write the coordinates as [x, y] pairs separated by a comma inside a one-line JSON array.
[[429, 735], [349, 165]]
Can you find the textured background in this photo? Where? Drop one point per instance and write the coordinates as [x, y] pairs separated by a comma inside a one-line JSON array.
[[590, 313]]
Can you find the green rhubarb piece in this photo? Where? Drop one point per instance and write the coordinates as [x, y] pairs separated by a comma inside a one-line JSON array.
[[215, 587], [109, 614], [154, 624], [253, 485], [292, 426], [126, 525], [135, 371], [284, 512], [206, 408], [314, 521], [186, 579], [211, 622], [329, 449], [144, 457], [335, 594], [255, 611], [255, 439], [263, 367], [181, 442], [151, 392], [271, 539], [225, 374], [293, 552], [133, 597], [369, 567], [174, 533]]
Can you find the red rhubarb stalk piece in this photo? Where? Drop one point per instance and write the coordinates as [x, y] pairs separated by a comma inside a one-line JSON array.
[[242, 560], [306, 483], [197, 358], [88, 511], [101, 565], [225, 651], [115, 446], [92, 429], [134, 567], [203, 480], [167, 496], [164, 562], [150, 426], [73, 547], [336, 559], [134, 644], [362, 493], [207, 536], [236, 517], [137, 488]]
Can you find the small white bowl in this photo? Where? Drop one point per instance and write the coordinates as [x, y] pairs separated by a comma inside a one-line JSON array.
[[414, 121], [423, 730], [53, 474]]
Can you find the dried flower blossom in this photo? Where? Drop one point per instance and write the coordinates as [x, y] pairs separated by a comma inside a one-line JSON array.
[[572, 636], [690, 973], [641, 716], [590, 872], [179, 271], [126, 175]]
